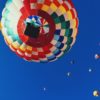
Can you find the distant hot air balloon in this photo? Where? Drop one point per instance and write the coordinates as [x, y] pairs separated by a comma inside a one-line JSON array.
[[39, 30], [97, 56], [96, 93]]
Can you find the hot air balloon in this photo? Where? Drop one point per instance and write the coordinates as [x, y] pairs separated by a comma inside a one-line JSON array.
[[97, 56], [39, 30], [96, 93]]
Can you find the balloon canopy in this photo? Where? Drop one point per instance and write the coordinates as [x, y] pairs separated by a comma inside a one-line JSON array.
[[39, 30]]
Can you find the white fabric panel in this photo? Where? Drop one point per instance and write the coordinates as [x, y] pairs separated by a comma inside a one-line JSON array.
[[18, 3]]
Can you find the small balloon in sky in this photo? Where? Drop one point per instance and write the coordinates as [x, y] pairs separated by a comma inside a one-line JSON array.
[[90, 70], [44, 89], [69, 74], [97, 56], [96, 93]]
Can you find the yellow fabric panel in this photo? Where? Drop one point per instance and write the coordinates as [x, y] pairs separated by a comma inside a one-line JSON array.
[[53, 7], [73, 23], [69, 15], [29, 48], [45, 8], [15, 45], [62, 9], [23, 48]]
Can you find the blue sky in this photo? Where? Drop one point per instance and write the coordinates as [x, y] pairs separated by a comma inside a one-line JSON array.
[[21, 80]]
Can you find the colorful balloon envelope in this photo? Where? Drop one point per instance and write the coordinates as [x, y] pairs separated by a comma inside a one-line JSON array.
[[39, 30]]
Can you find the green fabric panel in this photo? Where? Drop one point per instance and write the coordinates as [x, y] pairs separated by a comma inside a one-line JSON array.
[[62, 19], [57, 20], [69, 41], [69, 32], [54, 15]]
